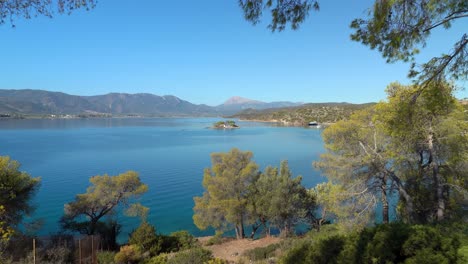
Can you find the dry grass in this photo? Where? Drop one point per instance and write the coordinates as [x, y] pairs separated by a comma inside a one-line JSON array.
[[233, 249]]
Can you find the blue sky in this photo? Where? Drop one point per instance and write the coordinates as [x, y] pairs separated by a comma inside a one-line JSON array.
[[203, 52]]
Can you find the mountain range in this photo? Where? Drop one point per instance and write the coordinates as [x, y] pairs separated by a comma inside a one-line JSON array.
[[46, 102]]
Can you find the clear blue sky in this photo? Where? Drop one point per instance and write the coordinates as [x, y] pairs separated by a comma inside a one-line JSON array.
[[203, 52]]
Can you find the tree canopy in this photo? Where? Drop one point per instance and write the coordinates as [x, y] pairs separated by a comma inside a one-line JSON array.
[[102, 198], [283, 12], [418, 149], [280, 200], [237, 194], [398, 29], [12, 9], [357, 161], [17, 188], [226, 183]]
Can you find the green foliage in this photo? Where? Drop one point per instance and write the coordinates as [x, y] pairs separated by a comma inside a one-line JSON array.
[[159, 259], [101, 199], [216, 239], [194, 256], [399, 28], [326, 250], [106, 257], [225, 124], [282, 12], [356, 165], [280, 199], [5, 231], [128, 255], [329, 200], [416, 147], [184, 240], [390, 243], [316, 247], [409, 244], [12, 10], [146, 239], [226, 183], [16, 191], [176, 241], [428, 148], [262, 253], [217, 261]]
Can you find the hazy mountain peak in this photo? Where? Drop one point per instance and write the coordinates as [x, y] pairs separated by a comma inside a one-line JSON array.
[[235, 100]]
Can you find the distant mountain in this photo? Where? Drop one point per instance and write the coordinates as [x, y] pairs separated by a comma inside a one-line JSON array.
[[236, 104], [237, 100], [45, 102]]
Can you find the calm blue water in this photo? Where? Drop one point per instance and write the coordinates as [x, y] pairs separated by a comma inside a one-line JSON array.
[[169, 154]]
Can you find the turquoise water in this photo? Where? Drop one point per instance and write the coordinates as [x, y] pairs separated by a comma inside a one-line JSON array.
[[169, 154]]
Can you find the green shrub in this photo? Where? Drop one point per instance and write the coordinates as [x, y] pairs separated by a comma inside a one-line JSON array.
[[105, 257], [184, 240], [398, 243], [215, 240], [324, 250], [159, 259], [192, 256], [390, 243], [262, 253], [217, 261], [128, 255], [146, 239]]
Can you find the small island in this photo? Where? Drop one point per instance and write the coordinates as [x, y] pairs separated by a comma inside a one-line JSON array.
[[225, 125]]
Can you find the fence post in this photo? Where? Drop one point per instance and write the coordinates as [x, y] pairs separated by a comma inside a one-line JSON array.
[[79, 247], [34, 250], [92, 249]]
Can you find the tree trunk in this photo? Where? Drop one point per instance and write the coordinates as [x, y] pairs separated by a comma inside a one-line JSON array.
[[385, 219], [438, 186], [92, 227], [240, 228]]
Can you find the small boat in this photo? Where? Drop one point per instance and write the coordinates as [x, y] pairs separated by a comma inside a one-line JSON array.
[[313, 123]]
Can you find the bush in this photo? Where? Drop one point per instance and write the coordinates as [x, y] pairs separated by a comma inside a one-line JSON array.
[[105, 257], [146, 239], [324, 250], [58, 255], [128, 255], [217, 261], [262, 253], [184, 240], [180, 240], [159, 259], [390, 243], [215, 240], [406, 243], [192, 256]]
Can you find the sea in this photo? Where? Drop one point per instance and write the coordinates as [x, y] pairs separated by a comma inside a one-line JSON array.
[[169, 154]]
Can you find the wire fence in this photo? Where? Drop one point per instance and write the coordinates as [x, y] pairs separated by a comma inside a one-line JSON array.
[[56, 249]]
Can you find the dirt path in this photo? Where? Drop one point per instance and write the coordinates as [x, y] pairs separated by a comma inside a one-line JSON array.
[[233, 249]]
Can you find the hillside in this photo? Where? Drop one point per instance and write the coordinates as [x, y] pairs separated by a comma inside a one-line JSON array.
[[39, 102], [302, 115], [45, 102]]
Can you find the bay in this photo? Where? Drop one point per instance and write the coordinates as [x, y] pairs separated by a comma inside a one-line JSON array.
[[169, 154]]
